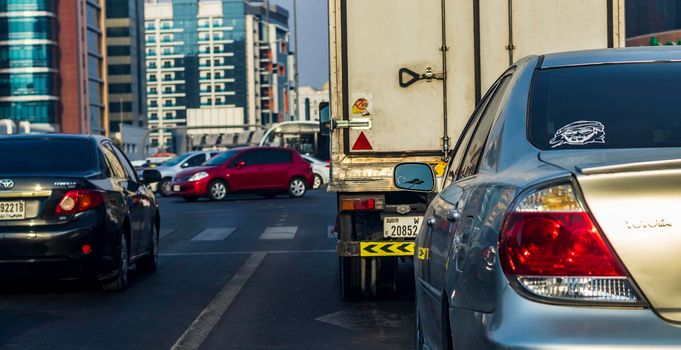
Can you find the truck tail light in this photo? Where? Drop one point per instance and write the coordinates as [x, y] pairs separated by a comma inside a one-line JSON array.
[[552, 247], [78, 201], [362, 203]]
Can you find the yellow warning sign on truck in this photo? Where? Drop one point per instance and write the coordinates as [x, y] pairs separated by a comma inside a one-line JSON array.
[[386, 248]]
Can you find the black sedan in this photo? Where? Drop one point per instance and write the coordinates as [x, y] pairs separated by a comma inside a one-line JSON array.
[[71, 206]]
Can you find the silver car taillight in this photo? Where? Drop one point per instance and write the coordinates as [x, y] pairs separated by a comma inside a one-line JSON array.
[[550, 245]]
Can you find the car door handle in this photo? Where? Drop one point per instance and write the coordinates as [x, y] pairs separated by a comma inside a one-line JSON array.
[[453, 215]]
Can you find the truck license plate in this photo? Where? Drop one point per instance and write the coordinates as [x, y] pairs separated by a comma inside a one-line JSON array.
[[401, 226], [12, 210]]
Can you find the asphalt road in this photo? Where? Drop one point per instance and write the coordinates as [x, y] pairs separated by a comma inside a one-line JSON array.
[[246, 273]]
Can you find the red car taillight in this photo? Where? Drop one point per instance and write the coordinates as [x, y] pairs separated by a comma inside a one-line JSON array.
[[552, 247], [78, 201]]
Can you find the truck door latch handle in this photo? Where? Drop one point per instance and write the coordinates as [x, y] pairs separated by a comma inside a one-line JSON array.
[[413, 77], [357, 123]]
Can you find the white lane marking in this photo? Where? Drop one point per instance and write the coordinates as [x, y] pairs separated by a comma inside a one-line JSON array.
[[250, 252], [280, 232], [199, 330], [214, 234], [166, 231]]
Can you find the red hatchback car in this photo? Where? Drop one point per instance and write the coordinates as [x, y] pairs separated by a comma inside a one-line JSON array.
[[264, 170]]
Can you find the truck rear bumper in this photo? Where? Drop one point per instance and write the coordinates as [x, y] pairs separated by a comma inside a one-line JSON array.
[[375, 249]]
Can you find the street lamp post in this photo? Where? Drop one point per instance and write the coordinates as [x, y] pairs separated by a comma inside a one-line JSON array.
[[295, 58]]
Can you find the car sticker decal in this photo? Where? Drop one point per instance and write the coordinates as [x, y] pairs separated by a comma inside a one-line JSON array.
[[579, 133]]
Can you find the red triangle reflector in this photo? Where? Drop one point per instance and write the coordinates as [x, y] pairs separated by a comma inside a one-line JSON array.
[[362, 143]]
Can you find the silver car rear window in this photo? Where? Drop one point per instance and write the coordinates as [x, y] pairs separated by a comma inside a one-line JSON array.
[[606, 106]]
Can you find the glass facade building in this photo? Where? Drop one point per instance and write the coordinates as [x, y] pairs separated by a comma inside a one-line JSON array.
[[214, 58], [126, 63], [652, 16], [52, 64], [29, 61]]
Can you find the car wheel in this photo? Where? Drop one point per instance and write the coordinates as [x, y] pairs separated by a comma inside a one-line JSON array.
[[190, 198], [119, 282], [149, 262], [318, 182], [163, 188], [217, 190], [296, 188]]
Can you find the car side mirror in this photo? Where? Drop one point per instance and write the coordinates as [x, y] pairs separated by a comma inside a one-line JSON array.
[[240, 164], [324, 120], [185, 165], [151, 176], [414, 177]]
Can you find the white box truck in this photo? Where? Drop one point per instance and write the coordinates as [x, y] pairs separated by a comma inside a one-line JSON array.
[[405, 76]]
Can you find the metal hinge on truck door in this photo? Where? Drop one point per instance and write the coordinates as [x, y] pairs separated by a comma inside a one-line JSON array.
[[428, 76], [357, 123]]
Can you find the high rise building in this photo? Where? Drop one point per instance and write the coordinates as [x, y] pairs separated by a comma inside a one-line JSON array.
[[126, 63], [267, 35], [52, 71], [82, 66], [29, 62], [214, 60]]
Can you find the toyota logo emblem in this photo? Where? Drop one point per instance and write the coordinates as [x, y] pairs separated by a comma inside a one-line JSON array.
[[6, 184]]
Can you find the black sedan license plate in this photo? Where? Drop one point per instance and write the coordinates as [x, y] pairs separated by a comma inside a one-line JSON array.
[[401, 226], [15, 210]]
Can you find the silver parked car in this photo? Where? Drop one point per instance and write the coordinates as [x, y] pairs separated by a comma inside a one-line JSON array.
[[321, 170], [171, 167], [558, 226]]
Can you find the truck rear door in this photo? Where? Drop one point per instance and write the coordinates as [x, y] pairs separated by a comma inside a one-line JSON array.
[[377, 40]]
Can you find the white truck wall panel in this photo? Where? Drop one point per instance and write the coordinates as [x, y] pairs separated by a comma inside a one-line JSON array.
[[386, 35]]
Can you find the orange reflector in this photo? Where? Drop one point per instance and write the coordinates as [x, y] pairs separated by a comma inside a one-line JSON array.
[[86, 249], [362, 143]]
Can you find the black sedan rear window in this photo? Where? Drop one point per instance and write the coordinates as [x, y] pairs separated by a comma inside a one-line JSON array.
[[607, 106], [46, 155]]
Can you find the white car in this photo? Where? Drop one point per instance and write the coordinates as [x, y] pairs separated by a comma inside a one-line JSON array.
[[321, 170], [171, 167]]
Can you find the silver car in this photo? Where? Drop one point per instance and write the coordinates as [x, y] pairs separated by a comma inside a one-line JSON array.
[[171, 167], [558, 226], [321, 170]]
